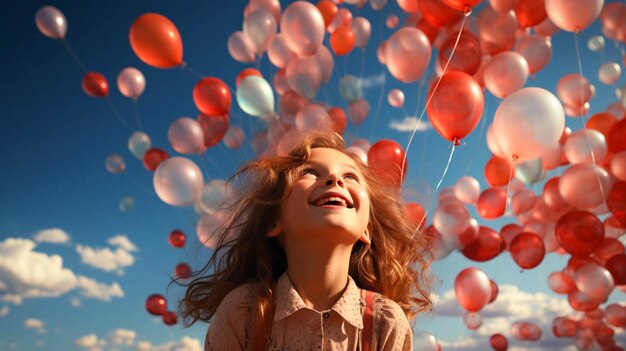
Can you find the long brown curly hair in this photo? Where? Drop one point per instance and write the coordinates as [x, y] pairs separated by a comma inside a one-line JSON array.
[[396, 264]]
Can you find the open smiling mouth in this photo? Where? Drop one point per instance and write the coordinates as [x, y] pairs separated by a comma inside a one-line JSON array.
[[334, 201]]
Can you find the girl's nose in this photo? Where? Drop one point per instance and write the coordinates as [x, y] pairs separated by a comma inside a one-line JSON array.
[[333, 179]]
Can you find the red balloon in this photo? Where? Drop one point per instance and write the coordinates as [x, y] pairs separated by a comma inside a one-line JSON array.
[[176, 238], [94, 84], [602, 122], [338, 119], [182, 271], [472, 289], [530, 12], [561, 283], [438, 13], [499, 342], [170, 318], [156, 304], [467, 54], [491, 203], [528, 250], [385, 159], [428, 29], [499, 171], [456, 106], [462, 5], [582, 302], [214, 128], [616, 202], [494, 291], [247, 72], [579, 233], [616, 265], [153, 158], [212, 96], [328, 9], [617, 136], [416, 214], [487, 245], [156, 41], [342, 40], [607, 249], [564, 327], [551, 195]]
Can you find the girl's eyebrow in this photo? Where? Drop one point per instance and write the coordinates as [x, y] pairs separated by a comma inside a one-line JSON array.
[[342, 164]]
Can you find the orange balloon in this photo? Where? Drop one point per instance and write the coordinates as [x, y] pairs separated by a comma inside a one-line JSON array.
[[602, 122], [248, 72], [156, 41], [328, 9], [530, 12], [338, 119], [499, 171], [342, 40]]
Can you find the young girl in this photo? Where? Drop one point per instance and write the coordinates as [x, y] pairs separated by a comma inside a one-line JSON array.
[[313, 234]]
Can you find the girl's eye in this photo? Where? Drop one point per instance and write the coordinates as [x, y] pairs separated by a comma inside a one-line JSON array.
[[310, 171], [351, 176]]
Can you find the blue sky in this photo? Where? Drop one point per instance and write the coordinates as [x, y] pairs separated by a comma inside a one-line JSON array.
[[55, 140]]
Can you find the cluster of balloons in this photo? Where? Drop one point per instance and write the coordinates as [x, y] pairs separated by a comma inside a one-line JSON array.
[[157, 305], [491, 49]]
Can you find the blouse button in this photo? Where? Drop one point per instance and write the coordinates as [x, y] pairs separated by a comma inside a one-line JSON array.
[[326, 315]]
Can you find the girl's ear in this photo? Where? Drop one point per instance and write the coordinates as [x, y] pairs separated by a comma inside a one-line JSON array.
[[365, 238], [275, 231]]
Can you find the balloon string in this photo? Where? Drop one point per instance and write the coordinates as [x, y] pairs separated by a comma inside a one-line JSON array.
[[75, 57], [137, 114], [382, 71], [506, 205], [583, 118], [117, 114], [185, 67], [430, 97]]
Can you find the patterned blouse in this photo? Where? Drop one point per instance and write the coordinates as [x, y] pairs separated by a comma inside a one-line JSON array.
[[297, 327]]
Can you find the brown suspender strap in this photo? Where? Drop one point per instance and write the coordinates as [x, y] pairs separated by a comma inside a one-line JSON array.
[[368, 321], [263, 327]]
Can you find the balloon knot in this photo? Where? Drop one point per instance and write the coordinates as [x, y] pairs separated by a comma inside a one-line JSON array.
[[577, 30], [515, 158], [456, 142], [467, 11], [183, 65]]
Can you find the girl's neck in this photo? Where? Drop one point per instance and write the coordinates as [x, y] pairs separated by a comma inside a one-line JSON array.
[[319, 278]]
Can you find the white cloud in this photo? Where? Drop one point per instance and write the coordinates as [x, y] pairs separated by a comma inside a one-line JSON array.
[[105, 258], [123, 242], [33, 323], [4, 311], [100, 291], [184, 344], [122, 337], [90, 342], [53, 236], [372, 81], [408, 124]]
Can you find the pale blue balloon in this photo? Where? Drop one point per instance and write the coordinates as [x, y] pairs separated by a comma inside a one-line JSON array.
[[138, 144], [126, 204], [255, 96], [530, 172], [350, 88]]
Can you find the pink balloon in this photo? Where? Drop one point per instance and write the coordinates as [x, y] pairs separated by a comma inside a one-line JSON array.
[[381, 53], [472, 320], [279, 53], [396, 98], [472, 289], [131, 82], [451, 217], [280, 82], [358, 111], [51, 22], [505, 73], [186, 136], [546, 28], [408, 54], [536, 49], [326, 62], [502, 6], [208, 227], [304, 75], [609, 73], [529, 331], [574, 90], [509, 232], [240, 47], [573, 15], [585, 185], [618, 165], [594, 280], [313, 117], [467, 189], [260, 26], [273, 6], [581, 144], [290, 103], [496, 27], [561, 283], [523, 201], [233, 139], [362, 30], [616, 315], [303, 26], [178, 181]]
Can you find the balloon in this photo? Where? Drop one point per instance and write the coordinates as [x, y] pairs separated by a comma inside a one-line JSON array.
[[499, 171], [437, 13], [114, 163], [462, 5], [395, 97], [260, 26], [176, 238], [537, 50], [530, 172], [564, 327], [304, 75], [255, 96], [303, 27], [456, 106], [153, 157], [580, 301], [529, 331], [494, 291], [240, 47], [617, 137], [609, 73], [247, 72], [178, 181], [273, 6], [579, 233], [574, 90], [499, 342], [280, 82], [51, 22], [573, 16], [472, 289], [362, 30], [328, 9], [131, 82], [138, 144], [505, 73], [581, 144], [585, 185], [527, 250], [214, 128], [528, 123], [342, 18], [509, 232], [208, 227], [561, 283], [233, 139], [425, 341], [467, 189], [156, 304], [530, 12], [126, 204], [523, 201], [169, 318], [409, 6], [342, 40], [487, 245], [213, 195], [616, 201], [472, 320], [616, 315], [156, 41], [94, 84], [182, 271], [313, 117], [407, 54], [279, 53], [496, 27], [451, 218], [595, 43], [186, 136], [546, 28], [552, 195], [467, 55], [491, 203], [594, 280], [358, 111], [325, 60], [602, 122], [350, 88], [338, 119], [415, 214], [385, 159], [212, 96], [392, 21]]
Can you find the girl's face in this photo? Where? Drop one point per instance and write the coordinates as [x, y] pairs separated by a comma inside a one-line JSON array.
[[329, 197]]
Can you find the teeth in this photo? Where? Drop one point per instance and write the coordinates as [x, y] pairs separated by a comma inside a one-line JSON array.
[[324, 200]]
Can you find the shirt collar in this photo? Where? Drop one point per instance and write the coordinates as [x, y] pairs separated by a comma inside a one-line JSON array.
[[288, 301]]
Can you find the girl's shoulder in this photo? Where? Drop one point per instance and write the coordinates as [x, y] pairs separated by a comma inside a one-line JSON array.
[[388, 313], [239, 296]]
